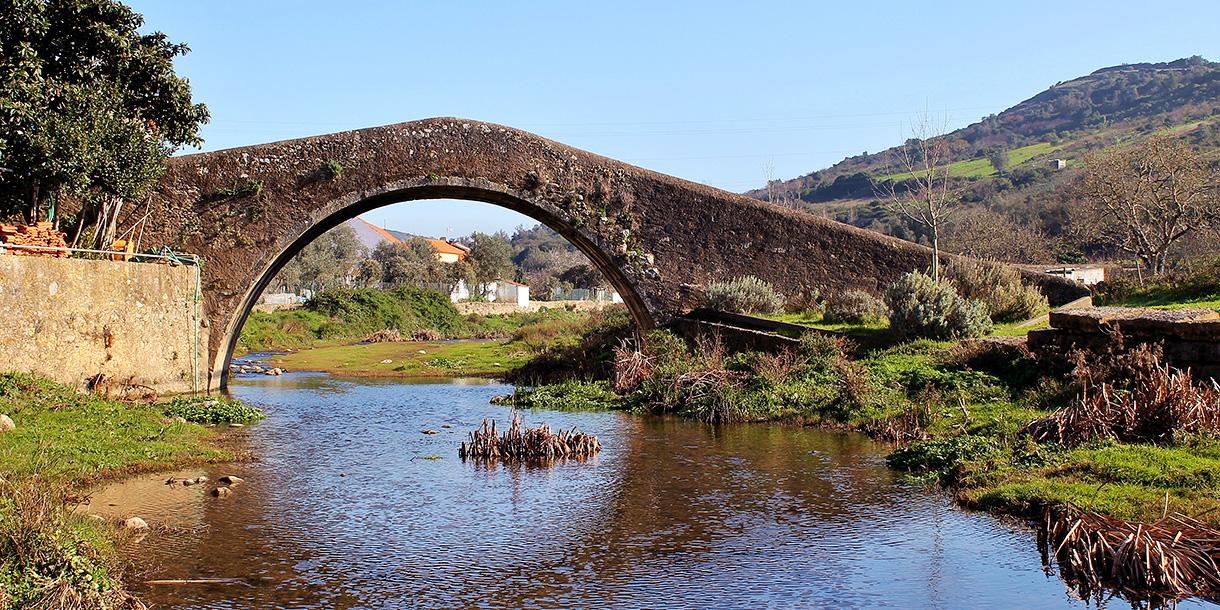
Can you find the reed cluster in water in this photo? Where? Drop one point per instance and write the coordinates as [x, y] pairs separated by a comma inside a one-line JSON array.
[[1174, 557], [521, 443]]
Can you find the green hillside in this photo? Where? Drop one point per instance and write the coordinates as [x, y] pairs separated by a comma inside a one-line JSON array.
[[1110, 107]]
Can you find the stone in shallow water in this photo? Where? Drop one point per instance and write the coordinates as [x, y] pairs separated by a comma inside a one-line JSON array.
[[135, 524]]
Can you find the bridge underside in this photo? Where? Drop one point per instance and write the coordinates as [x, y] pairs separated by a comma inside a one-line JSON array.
[[658, 239]]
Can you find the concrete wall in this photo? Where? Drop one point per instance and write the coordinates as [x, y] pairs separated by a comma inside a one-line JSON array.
[[134, 323]]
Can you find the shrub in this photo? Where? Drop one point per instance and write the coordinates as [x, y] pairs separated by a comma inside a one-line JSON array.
[[743, 295], [998, 287], [202, 410], [569, 395], [855, 307], [1152, 403], [921, 307], [48, 558], [942, 456]]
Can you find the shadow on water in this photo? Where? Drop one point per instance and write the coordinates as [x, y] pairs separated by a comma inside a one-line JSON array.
[[351, 505]]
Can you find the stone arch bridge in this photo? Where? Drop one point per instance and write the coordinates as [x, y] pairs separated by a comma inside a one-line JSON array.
[[658, 239]]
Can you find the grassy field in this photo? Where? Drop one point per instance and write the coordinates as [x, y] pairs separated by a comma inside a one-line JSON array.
[[982, 168], [467, 358]]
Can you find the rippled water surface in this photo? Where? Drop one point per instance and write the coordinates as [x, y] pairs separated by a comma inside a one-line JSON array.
[[347, 506]]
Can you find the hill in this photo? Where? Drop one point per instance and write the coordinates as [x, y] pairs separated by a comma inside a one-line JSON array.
[[1014, 167]]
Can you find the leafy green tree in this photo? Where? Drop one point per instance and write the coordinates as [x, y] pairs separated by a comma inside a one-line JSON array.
[[324, 263], [409, 263], [583, 276], [491, 257], [89, 109]]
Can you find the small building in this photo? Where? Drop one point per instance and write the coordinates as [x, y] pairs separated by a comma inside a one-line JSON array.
[[1058, 164], [498, 291], [448, 251], [1084, 274], [507, 291]]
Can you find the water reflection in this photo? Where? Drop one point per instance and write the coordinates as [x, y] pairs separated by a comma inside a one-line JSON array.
[[346, 509]]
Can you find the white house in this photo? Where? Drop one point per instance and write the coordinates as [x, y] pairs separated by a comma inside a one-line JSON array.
[[499, 291]]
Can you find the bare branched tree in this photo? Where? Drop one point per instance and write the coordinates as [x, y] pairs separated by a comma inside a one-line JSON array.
[[922, 192], [1149, 196]]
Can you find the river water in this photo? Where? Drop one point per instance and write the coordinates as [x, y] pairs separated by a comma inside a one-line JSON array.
[[349, 504]]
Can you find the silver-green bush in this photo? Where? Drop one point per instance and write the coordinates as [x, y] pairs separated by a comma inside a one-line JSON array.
[[921, 307], [855, 307], [743, 295], [998, 287]]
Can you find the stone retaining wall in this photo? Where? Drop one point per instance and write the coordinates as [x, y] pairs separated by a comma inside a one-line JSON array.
[[1191, 337], [136, 324], [484, 309]]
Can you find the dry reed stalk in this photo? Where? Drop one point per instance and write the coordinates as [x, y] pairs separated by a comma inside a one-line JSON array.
[[519, 443], [389, 335], [1160, 403], [631, 368], [1174, 558]]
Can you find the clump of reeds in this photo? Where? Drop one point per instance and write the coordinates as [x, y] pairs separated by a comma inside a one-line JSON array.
[[527, 444], [632, 367], [426, 334], [1174, 557], [1153, 405], [388, 335]]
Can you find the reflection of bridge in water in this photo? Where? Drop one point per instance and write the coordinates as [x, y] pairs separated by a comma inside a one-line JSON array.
[[656, 238]]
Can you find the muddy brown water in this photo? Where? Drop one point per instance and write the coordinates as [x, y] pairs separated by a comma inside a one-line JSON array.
[[348, 506]]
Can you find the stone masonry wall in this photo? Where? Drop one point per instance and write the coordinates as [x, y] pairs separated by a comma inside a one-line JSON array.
[[72, 319]]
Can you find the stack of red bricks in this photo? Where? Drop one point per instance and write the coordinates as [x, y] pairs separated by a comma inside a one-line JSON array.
[[42, 235]]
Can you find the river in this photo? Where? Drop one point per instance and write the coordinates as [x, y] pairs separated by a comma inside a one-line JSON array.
[[348, 503]]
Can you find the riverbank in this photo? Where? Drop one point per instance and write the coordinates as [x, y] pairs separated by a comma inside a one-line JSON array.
[[970, 416], [458, 358], [64, 442]]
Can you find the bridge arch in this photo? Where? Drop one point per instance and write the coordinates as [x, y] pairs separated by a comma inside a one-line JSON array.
[[354, 204], [658, 239]]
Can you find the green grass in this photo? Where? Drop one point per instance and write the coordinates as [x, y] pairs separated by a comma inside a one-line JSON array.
[[65, 441], [477, 358], [81, 438], [982, 168]]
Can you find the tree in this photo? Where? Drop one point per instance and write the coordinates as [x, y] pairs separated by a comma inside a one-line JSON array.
[[999, 160], [924, 195], [1149, 196], [89, 109], [987, 234], [583, 276], [322, 263], [491, 257], [369, 273], [409, 263]]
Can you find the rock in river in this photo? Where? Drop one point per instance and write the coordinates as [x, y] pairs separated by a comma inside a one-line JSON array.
[[135, 524], [230, 480]]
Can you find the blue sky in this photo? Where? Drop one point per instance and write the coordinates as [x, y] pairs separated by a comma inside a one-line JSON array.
[[716, 92]]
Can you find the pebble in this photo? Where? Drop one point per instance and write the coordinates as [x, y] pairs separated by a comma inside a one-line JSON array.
[[431, 431], [236, 425], [221, 492], [135, 524], [387, 361], [423, 351], [230, 480], [6, 423]]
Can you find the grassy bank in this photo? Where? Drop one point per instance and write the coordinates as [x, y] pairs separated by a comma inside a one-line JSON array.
[[473, 358], [1199, 287], [65, 441]]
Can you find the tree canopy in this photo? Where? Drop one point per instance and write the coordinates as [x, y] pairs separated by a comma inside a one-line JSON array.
[[89, 107]]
